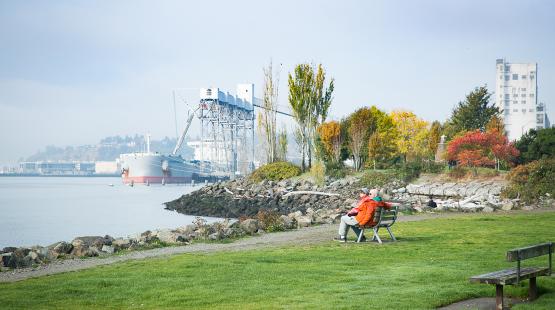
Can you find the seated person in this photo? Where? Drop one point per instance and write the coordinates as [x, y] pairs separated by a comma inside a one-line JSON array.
[[431, 203], [362, 214]]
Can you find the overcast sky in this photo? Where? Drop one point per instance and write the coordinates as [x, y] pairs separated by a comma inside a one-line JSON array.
[[72, 72]]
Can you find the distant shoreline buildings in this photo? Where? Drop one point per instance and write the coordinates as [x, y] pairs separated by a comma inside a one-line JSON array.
[[516, 95], [64, 168]]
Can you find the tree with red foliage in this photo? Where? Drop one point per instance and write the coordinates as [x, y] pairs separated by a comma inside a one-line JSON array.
[[482, 149]]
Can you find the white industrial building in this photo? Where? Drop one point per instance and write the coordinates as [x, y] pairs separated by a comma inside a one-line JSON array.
[[516, 94]]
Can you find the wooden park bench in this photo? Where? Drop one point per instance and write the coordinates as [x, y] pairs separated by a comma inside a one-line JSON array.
[[383, 218], [513, 276]]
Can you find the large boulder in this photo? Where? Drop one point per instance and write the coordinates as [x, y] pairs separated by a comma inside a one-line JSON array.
[[83, 247], [5, 259], [171, 236], [470, 207], [20, 258], [304, 221], [9, 249], [61, 248], [507, 206], [108, 249], [288, 222], [250, 226], [147, 237], [121, 244], [45, 254], [487, 209]]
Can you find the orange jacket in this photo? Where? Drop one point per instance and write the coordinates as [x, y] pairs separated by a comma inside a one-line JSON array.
[[367, 208]]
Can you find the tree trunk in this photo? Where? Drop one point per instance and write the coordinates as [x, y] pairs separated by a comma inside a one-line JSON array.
[[309, 155]]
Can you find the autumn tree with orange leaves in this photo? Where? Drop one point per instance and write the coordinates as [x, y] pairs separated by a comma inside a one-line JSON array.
[[482, 149]]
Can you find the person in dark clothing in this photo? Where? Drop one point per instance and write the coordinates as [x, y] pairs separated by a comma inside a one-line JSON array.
[[432, 204]]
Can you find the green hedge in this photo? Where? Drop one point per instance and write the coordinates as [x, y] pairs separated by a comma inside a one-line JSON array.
[[275, 172]]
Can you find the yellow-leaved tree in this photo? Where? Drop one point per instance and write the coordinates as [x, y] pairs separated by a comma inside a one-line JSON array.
[[412, 135], [381, 144], [331, 138]]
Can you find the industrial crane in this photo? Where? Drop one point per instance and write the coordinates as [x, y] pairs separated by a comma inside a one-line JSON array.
[[184, 133]]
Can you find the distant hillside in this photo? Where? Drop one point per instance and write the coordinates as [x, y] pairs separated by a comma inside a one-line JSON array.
[[108, 149]]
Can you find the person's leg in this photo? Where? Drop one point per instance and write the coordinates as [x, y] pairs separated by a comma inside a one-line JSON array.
[[343, 226], [356, 230], [346, 221]]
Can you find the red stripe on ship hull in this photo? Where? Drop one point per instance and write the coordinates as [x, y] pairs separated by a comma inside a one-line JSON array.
[[156, 180]]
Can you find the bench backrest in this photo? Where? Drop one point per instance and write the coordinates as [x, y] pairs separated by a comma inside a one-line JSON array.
[[388, 217], [530, 252]]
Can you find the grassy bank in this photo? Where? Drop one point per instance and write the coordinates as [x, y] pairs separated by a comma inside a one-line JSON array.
[[428, 267]]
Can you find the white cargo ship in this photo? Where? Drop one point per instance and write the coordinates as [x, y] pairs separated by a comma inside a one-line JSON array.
[[155, 168]]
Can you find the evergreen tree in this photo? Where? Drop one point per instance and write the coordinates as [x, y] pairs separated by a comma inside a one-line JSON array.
[[536, 144], [474, 112]]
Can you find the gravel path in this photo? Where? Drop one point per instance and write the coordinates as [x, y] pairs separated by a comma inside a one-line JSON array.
[[305, 236]]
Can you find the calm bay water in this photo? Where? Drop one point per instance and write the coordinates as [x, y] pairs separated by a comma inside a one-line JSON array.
[[43, 210]]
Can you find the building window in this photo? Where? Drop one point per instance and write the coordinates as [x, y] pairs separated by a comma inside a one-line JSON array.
[[523, 110], [507, 102], [507, 96], [523, 101], [523, 89], [532, 95], [515, 95], [522, 95], [507, 77], [531, 76], [515, 110], [523, 77], [539, 108], [515, 76], [515, 102], [539, 118], [531, 110]]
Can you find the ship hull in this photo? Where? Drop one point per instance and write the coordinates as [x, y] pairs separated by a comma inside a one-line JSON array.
[[153, 168]]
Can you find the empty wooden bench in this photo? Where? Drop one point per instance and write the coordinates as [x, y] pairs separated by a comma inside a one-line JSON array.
[[383, 218], [513, 276]]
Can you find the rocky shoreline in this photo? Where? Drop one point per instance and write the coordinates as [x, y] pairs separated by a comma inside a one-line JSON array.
[[294, 198], [95, 246], [270, 206]]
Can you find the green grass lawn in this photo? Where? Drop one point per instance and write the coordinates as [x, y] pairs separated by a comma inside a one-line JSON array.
[[429, 266]]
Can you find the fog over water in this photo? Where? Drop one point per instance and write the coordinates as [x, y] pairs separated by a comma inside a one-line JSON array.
[[44, 210]]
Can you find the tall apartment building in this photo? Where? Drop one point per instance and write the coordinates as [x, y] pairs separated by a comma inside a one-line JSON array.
[[516, 94]]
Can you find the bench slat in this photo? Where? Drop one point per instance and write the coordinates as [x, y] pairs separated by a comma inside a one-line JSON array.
[[509, 276], [529, 252]]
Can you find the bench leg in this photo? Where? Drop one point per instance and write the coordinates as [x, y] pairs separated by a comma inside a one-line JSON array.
[[360, 234], [376, 236], [390, 233], [499, 297], [376, 229], [533, 289]]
